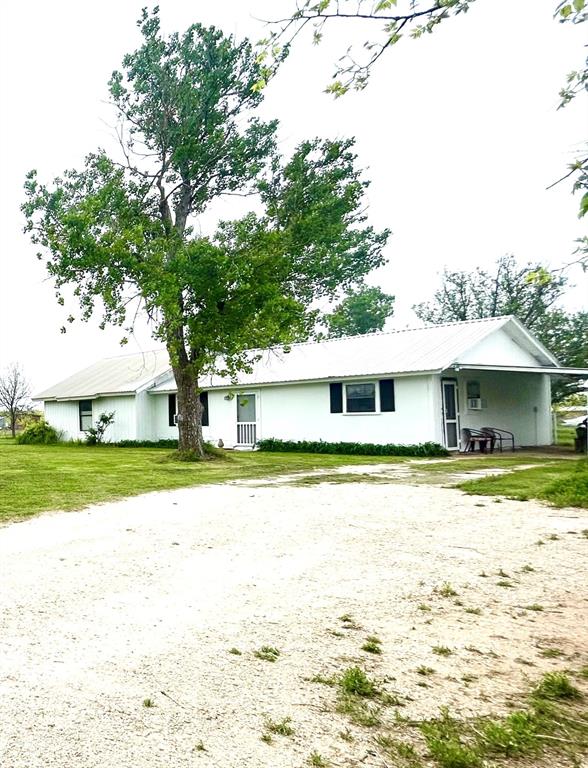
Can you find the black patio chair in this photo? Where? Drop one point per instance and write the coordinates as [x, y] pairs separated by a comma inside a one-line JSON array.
[[471, 437], [500, 436]]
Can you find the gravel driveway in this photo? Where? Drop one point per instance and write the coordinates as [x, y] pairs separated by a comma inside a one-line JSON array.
[[143, 599]]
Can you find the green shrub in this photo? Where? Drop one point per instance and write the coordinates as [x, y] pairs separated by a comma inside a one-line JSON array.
[[39, 433], [95, 434], [351, 449], [355, 681], [515, 735], [443, 737], [556, 685]]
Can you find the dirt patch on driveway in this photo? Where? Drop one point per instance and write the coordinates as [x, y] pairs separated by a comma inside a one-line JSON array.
[[141, 602]]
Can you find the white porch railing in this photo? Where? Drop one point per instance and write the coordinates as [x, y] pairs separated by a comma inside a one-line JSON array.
[[246, 432]]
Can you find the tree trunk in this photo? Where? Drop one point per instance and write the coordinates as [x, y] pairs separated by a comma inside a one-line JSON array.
[[189, 410], [13, 423]]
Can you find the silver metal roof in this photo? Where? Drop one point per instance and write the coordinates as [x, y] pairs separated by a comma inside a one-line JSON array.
[[430, 348], [111, 376]]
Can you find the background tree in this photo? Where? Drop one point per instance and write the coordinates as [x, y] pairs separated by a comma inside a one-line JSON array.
[[566, 335], [122, 232], [363, 310], [14, 394], [528, 292]]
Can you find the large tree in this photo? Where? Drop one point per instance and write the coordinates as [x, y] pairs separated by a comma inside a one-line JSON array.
[[527, 291], [123, 233], [363, 310], [14, 394]]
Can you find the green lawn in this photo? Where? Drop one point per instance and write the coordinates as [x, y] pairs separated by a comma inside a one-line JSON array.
[[38, 478], [561, 483], [565, 435]]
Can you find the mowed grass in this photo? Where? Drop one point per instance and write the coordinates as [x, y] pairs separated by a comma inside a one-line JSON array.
[[473, 462], [565, 435], [34, 479], [38, 478], [563, 484]]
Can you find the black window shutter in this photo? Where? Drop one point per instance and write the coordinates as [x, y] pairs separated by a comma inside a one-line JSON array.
[[387, 395], [171, 410], [204, 401], [336, 391]]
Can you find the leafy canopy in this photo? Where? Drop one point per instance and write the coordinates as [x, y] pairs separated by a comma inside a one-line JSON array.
[[121, 232], [363, 310], [526, 291]]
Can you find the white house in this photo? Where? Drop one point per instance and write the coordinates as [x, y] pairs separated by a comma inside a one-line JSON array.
[[409, 386]]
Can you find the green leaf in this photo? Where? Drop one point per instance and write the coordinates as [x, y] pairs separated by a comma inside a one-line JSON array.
[[583, 205], [579, 5], [384, 5]]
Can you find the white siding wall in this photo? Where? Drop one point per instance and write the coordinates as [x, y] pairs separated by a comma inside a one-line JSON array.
[[125, 422], [144, 427], [302, 412], [159, 419], [498, 349], [64, 416], [518, 402], [222, 419], [437, 411]]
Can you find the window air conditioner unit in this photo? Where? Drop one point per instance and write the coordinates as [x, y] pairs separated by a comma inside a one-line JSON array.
[[475, 403]]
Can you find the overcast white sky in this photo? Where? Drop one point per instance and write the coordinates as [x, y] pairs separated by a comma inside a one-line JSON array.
[[458, 133]]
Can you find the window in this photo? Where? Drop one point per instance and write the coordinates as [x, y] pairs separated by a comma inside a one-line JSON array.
[[85, 408], [473, 389], [387, 399], [336, 397], [204, 401], [360, 398], [172, 409]]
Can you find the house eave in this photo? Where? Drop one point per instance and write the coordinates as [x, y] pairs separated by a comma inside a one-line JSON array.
[[94, 396], [554, 370], [325, 380]]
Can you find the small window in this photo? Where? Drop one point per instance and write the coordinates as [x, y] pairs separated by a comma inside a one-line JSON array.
[[360, 398], [473, 389], [204, 401], [387, 401], [171, 410], [85, 408], [336, 397]]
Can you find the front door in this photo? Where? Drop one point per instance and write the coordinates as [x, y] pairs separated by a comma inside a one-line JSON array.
[[450, 414], [246, 419]]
